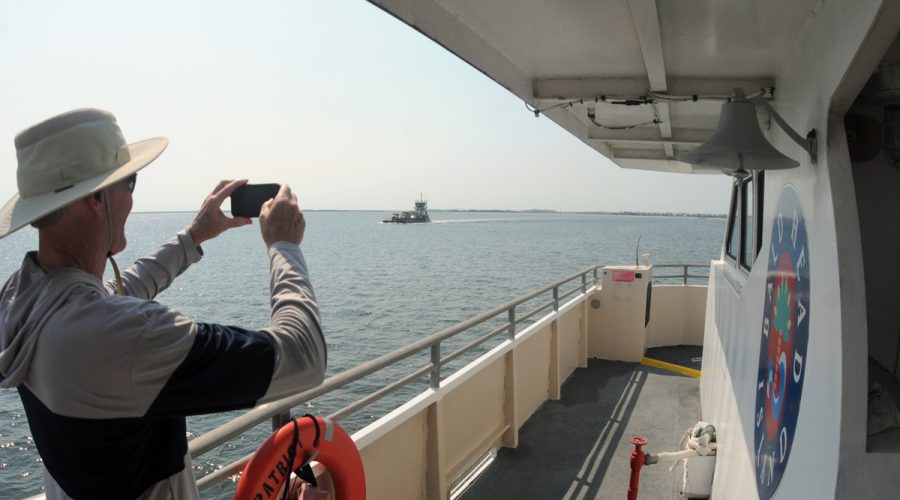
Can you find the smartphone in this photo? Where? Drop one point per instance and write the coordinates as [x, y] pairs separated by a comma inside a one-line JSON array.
[[247, 200]]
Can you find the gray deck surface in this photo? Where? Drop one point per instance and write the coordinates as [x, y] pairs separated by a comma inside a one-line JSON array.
[[579, 447]]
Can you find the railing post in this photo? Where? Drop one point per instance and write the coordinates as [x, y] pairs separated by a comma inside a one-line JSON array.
[[556, 298], [435, 381], [595, 276], [512, 323], [584, 283], [279, 420], [685, 274]]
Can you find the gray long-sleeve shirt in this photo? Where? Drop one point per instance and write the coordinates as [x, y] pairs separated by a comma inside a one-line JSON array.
[[107, 380]]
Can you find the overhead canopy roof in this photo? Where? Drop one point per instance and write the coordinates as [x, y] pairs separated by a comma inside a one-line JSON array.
[[564, 57]]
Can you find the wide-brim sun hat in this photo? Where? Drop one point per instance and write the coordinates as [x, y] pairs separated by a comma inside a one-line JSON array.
[[68, 157]]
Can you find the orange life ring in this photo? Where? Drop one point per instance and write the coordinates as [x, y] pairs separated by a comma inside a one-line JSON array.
[[306, 438]]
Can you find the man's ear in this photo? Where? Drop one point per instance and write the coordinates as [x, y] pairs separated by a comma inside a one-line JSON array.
[[94, 201]]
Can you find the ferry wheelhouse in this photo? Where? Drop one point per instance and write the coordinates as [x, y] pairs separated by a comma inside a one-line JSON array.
[[420, 214]]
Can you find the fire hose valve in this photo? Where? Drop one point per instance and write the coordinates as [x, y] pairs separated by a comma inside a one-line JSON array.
[[638, 460]]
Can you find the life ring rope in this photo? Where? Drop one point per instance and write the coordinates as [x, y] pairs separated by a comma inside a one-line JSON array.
[[303, 471], [270, 467]]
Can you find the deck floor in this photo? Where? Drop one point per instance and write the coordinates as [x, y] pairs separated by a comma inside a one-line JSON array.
[[579, 447]]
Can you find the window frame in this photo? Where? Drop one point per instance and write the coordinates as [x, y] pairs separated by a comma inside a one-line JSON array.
[[759, 193], [732, 224], [738, 221], [746, 261]]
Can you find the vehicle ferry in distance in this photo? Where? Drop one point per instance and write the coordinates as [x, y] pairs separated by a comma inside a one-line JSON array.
[[420, 214]]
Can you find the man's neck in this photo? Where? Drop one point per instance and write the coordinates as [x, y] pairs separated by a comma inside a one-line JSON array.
[[54, 255]]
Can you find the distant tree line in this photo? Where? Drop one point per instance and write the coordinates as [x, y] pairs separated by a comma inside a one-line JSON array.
[[624, 212]]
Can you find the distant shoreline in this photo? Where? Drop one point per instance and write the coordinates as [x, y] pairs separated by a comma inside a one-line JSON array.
[[497, 211], [594, 212]]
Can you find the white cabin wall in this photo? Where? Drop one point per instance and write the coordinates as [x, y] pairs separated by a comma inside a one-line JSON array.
[[833, 405], [805, 86], [727, 384]]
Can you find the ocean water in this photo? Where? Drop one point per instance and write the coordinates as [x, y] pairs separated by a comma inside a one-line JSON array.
[[379, 286]]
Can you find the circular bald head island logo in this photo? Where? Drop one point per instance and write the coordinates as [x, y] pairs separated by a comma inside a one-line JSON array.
[[782, 351]]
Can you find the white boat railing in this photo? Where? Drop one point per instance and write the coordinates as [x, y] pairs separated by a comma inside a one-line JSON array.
[[689, 272], [279, 411]]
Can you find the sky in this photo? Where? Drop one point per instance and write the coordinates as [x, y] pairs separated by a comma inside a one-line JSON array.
[[349, 106]]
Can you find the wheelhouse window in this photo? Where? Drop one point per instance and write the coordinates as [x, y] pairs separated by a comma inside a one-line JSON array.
[[744, 237], [732, 242], [747, 233]]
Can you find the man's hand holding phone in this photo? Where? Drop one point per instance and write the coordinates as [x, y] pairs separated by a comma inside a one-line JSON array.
[[280, 218], [210, 220]]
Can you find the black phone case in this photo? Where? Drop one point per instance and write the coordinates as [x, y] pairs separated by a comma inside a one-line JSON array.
[[248, 199]]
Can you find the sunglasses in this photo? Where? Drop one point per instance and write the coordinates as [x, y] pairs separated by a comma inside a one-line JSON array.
[[130, 182]]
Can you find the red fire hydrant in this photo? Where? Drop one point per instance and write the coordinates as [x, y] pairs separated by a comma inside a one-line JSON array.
[[638, 460]]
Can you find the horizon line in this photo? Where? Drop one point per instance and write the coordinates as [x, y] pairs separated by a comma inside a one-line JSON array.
[[486, 210]]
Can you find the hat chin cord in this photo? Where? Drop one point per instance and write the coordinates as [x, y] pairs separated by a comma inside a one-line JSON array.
[[120, 290]]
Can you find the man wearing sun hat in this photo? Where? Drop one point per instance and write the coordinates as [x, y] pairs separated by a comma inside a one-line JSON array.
[[106, 374]]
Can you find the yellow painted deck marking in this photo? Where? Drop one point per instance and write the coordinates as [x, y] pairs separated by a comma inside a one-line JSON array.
[[690, 372]]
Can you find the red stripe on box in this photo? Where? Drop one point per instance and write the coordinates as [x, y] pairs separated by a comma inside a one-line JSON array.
[[623, 275]]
